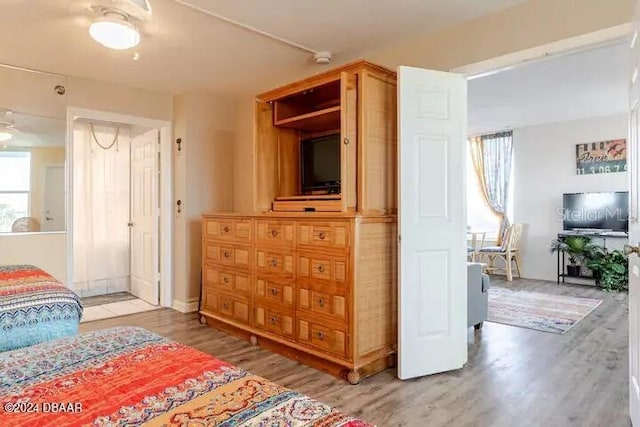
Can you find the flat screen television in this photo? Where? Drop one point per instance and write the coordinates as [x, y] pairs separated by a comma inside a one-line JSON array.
[[320, 164], [596, 211]]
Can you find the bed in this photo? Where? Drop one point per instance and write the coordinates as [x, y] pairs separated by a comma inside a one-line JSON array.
[[34, 307], [130, 376]]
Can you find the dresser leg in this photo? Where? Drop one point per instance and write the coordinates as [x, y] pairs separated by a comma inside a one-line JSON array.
[[253, 340], [203, 320], [353, 377]]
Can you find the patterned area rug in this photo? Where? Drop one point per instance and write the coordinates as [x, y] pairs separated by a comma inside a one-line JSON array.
[[542, 312]]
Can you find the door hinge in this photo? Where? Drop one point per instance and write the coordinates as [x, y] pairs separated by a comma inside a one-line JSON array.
[[130, 224]]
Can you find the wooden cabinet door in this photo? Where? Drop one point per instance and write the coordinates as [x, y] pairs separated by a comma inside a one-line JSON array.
[[349, 140]]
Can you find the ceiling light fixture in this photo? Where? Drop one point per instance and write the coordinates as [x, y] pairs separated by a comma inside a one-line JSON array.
[[113, 30]]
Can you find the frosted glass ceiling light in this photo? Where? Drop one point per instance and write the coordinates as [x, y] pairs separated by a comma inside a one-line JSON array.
[[115, 32]]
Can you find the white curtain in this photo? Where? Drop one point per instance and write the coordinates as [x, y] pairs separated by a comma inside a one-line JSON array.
[[100, 210]]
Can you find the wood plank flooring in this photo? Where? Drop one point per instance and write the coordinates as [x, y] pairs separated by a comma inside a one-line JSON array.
[[514, 377]]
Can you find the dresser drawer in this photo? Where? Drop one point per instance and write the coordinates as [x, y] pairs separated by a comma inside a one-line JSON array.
[[315, 266], [279, 322], [275, 232], [325, 235], [227, 306], [229, 255], [325, 337], [326, 303], [228, 280], [275, 292], [228, 229], [274, 262]]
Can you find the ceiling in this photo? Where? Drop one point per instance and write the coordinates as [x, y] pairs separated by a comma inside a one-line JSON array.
[[189, 50], [34, 131], [591, 83]]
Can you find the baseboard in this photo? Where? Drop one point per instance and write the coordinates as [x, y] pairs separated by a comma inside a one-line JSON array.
[[185, 307]]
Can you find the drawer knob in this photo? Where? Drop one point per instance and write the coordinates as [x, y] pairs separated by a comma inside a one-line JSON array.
[[274, 232], [321, 235], [321, 268], [320, 335], [273, 320], [226, 254], [225, 305], [273, 262], [321, 302], [225, 279], [273, 291], [226, 229]]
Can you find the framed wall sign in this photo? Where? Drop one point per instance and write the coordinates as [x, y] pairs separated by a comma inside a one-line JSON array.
[[601, 157]]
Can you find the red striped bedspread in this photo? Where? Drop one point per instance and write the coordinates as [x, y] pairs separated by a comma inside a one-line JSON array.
[[34, 307], [128, 376]]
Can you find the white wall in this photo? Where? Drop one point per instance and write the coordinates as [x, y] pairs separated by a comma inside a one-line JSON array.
[[44, 250], [203, 179], [544, 169]]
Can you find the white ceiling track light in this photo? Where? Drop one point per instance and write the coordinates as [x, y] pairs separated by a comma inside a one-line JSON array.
[[115, 24]]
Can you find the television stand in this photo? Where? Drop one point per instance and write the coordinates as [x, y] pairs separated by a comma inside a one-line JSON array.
[[606, 238], [308, 203]]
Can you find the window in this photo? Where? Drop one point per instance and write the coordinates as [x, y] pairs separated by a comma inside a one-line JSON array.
[[479, 216], [15, 177]]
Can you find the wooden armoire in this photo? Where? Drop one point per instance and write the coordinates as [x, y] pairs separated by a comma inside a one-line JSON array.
[[312, 274]]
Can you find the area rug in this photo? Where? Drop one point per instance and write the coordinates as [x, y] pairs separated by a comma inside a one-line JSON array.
[[542, 312]]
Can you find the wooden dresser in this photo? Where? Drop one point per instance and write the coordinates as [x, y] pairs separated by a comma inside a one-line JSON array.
[[312, 274], [319, 289]]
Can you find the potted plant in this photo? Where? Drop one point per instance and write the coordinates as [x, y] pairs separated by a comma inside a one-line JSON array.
[[610, 269], [575, 247]]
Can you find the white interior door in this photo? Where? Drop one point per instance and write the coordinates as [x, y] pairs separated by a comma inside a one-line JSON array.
[[432, 117], [54, 199], [144, 216], [634, 228]]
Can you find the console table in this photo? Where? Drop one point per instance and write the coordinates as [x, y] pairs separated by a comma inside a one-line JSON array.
[[605, 238]]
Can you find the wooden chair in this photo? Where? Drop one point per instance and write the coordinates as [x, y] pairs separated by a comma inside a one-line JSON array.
[[25, 224], [507, 252]]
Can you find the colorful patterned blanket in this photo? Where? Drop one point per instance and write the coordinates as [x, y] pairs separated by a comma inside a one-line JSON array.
[[128, 376], [34, 307]]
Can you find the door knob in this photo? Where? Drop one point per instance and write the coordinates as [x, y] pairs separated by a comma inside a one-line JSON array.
[[628, 250]]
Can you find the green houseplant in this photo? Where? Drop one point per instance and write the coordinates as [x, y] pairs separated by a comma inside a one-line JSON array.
[[610, 269], [575, 247]]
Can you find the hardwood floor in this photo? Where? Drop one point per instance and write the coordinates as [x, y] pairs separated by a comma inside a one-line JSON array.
[[514, 377]]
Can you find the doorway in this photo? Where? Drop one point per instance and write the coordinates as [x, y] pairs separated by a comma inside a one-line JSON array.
[[119, 239], [53, 203]]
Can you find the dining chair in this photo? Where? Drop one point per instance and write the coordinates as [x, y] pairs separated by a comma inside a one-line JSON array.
[[507, 252], [473, 248], [25, 224]]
